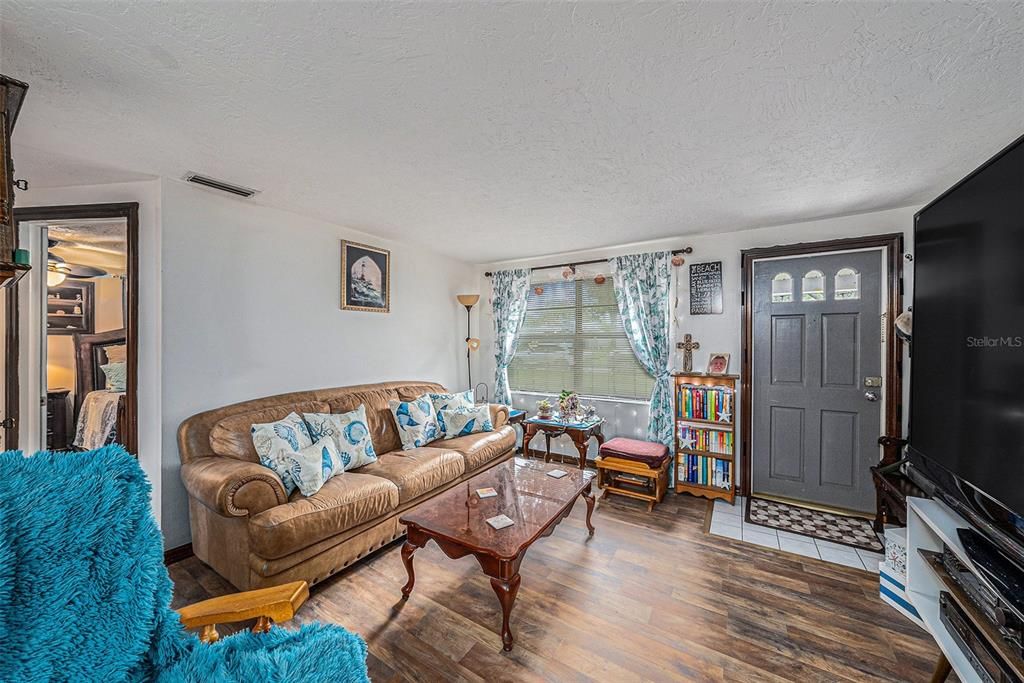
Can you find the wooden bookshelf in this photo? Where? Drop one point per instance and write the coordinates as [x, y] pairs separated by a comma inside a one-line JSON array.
[[714, 422], [69, 308]]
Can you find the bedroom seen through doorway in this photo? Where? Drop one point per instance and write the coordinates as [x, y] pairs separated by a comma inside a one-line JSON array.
[[81, 308]]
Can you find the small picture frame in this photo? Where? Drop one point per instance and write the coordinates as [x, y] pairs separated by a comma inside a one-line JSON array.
[[718, 364], [365, 278]]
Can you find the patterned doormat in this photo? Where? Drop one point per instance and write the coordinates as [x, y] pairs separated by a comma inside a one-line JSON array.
[[827, 526]]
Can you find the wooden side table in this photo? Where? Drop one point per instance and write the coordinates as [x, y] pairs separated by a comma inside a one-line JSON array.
[[579, 432]]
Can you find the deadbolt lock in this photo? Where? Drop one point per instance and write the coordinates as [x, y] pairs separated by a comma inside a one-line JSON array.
[[872, 381]]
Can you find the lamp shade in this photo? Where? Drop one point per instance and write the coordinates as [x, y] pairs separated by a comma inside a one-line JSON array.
[[54, 277], [468, 300], [56, 270]]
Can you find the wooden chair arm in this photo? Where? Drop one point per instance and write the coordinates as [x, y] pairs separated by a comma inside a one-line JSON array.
[[266, 605]]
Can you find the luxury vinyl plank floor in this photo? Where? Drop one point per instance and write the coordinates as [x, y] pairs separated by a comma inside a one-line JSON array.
[[651, 597]]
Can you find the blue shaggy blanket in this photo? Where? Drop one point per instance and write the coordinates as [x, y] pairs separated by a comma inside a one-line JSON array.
[[84, 595]]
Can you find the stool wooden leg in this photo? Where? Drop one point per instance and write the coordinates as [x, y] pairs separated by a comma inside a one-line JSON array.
[[942, 670]]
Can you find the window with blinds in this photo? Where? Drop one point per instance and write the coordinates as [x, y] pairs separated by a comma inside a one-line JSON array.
[[573, 339]]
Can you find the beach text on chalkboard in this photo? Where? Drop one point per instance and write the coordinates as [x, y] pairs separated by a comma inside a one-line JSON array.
[[705, 288]]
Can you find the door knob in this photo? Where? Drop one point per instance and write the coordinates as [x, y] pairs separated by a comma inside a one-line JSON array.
[[871, 396]]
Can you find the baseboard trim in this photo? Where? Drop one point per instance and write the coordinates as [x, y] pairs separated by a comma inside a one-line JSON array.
[[182, 552]]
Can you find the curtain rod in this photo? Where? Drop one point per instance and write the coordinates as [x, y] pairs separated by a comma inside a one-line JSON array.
[[685, 250]]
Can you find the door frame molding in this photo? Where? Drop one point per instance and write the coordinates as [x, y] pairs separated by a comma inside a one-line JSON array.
[[893, 361], [130, 212]]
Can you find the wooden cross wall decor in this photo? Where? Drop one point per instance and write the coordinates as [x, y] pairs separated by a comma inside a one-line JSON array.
[[688, 346]]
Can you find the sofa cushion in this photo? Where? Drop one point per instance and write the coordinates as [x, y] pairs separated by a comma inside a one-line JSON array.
[[276, 442], [408, 392], [418, 470], [416, 421], [647, 452], [349, 433], [343, 502], [479, 449], [383, 432], [231, 436], [449, 401], [464, 421], [314, 465]]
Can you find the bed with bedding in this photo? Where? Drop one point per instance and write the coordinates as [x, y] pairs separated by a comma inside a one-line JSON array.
[[100, 379]]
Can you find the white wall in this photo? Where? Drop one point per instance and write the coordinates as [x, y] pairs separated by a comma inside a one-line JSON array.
[[716, 333], [251, 306], [239, 301], [147, 194]]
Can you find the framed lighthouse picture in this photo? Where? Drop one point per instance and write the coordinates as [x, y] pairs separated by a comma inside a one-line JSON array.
[[365, 278]]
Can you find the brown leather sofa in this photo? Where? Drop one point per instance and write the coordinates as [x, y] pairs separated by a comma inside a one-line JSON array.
[[245, 527]]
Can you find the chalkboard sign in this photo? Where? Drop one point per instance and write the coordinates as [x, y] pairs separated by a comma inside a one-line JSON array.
[[705, 288]]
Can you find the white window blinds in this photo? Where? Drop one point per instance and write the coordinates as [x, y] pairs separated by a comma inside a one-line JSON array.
[[573, 339]]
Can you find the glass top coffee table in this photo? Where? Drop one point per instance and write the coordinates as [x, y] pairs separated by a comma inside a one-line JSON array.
[[457, 521]]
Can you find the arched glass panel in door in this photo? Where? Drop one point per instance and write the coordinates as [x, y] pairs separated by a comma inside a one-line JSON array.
[[813, 286], [847, 284], [782, 288]]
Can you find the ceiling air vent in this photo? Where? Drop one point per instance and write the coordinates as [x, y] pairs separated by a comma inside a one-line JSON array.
[[221, 185]]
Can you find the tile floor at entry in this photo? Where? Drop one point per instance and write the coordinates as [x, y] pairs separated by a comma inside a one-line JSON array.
[[728, 521]]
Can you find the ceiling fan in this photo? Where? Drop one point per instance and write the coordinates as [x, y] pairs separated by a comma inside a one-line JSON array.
[[58, 269]]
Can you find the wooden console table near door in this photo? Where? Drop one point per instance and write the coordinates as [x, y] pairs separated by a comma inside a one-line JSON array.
[[580, 432], [457, 521]]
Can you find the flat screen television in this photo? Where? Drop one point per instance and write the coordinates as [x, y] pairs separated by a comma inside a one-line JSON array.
[[967, 352]]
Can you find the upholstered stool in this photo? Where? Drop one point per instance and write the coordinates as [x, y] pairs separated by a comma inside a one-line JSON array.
[[637, 469]]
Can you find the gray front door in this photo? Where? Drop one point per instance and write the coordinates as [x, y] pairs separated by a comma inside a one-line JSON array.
[[816, 377]]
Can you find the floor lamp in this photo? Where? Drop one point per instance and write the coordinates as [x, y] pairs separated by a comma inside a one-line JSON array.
[[472, 344]]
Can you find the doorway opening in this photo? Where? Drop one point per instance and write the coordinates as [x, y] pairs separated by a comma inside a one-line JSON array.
[[73, 333], [822, 374]]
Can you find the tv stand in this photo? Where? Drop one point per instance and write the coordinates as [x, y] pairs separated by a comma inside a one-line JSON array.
[[931, 526]]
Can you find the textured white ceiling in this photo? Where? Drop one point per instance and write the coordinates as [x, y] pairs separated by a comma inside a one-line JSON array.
[[496, 130], [101, 243]]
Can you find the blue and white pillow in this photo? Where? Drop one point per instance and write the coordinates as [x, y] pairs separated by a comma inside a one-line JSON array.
[[348, 431], [416, 420], [464, 399], [276, 441], [311, 467], [465, 421], [117, 376]]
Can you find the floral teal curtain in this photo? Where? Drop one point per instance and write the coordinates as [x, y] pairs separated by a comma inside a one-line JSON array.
[[643, 285], [511, 288]]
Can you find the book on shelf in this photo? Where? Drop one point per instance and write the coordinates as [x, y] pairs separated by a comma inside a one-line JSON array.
[[707, 439], [705, 471], [699, 402], [705, 426]]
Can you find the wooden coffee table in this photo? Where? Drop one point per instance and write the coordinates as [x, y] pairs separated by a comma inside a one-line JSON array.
[[456, 521]]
